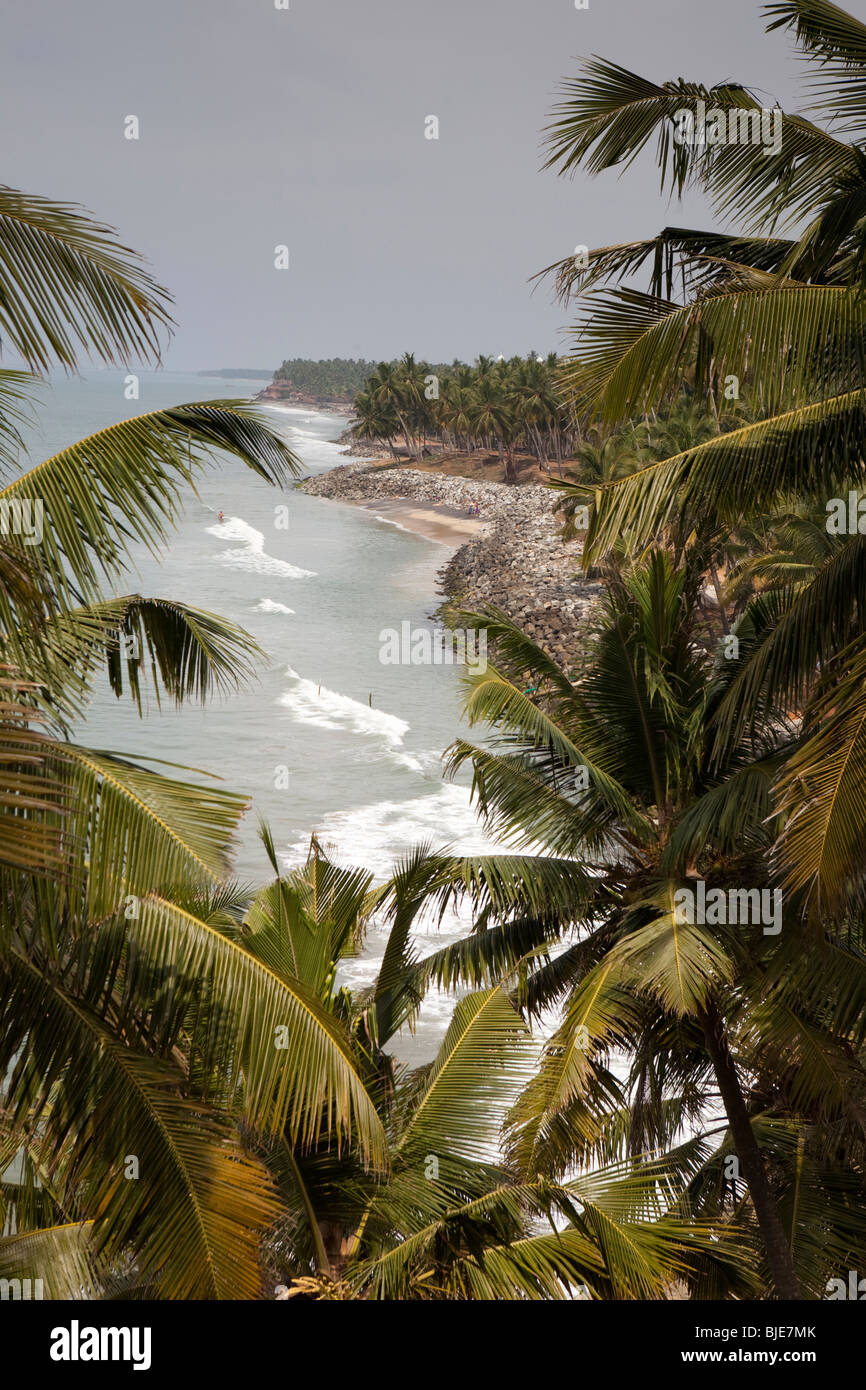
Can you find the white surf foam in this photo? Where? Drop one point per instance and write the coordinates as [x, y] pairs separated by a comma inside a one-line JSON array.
[[378, 834], [397, 524], [268, 605], [251, 555], [312, 703], [308, 434]]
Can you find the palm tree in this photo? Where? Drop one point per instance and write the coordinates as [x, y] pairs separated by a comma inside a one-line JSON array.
[[513, 403], [108, 867], [601, 456], [615, 777], [446, 1218], [784, 318], [374, 420], [493, 418]]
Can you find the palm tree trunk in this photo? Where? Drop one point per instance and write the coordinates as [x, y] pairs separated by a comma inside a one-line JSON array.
[[776, 1244], [558, 446], [714, 575]]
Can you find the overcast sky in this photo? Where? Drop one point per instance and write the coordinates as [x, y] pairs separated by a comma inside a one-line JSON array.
[[305, 127]]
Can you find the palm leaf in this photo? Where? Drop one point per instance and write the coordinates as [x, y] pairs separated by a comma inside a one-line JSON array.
[[70, 287], [61, 1258], [679, 963], [199, 1205], [297, 1062], [132, 831], [126, 481], [180, 651], [813, 449], [835, 42], [823, 792], [484, 1059], [635, 349]]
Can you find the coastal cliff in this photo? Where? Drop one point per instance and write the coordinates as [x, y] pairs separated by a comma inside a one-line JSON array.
[[284, 393]]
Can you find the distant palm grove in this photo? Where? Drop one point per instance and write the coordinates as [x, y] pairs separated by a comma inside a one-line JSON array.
[[332, 378], [495, 404], [653, 1083]]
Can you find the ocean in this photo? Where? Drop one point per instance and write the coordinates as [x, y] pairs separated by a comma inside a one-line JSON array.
[[326, 739]]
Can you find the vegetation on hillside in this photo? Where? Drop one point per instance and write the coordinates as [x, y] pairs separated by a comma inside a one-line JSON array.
[[692, 1126], [707, 745], [332, 378]]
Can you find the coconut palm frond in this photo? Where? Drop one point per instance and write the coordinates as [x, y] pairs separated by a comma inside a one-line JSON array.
[[154, 1158], [815, 448], [70, 287], [834, 43], [487, 1055], [126, 482], [295, 1057], [823, 795], [176, 650], [56, 1262]]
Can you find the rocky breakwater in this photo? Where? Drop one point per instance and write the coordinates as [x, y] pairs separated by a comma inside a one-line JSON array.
[[518, 563]]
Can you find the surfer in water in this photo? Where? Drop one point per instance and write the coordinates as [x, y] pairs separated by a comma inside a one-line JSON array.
[[221, 517]]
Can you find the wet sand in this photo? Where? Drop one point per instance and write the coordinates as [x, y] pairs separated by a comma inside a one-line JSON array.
[[436, 521]]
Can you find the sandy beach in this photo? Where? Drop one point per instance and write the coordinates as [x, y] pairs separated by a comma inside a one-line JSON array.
[[436, 521]]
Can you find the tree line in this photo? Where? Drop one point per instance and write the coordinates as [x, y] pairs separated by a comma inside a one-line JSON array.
[[496, 404], [331, 378]]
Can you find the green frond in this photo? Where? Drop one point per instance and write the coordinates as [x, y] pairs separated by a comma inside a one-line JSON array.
[[634, 350], [31, 795], [562, 1111], [131, 831], [302, 924], [730, 817], [487, 1055], [169, 647], [787, 637], [60, 1258], [126, 481], [835, 41], [679, 963], [673, 252], [70, 288], [293, 1058], [199, 1205], [16, 411], [608, 115], [814, 449], [823, 795]]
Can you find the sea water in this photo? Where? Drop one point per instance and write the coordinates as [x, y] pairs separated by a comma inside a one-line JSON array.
[[325, 739]]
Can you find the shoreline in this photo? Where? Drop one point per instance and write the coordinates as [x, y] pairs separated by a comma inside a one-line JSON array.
[[511, 557], [437, 522]]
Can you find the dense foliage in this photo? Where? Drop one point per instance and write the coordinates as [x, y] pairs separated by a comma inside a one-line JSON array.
[[637, 1097], [501, 404], [331, 378]]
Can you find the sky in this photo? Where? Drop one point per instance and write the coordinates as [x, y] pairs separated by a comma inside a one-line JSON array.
[[305, 127]]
